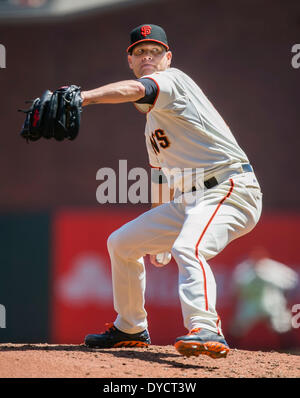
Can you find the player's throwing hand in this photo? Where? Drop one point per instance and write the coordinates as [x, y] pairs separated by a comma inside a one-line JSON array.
[[161, 259]]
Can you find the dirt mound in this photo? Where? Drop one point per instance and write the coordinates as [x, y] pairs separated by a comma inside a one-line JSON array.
[[78, 361]]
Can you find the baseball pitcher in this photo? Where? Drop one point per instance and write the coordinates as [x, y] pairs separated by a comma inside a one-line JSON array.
[[210, 209]]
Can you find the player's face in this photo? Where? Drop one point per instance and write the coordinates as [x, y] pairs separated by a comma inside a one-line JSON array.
[[147, 58]]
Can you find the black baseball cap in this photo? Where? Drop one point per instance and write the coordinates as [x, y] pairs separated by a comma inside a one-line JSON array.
[[147, 32]]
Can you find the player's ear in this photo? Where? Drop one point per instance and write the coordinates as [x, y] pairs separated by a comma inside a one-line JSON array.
[[169, 57], [130, 61]]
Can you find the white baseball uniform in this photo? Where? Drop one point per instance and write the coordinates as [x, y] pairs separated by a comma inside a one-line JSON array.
[[184, 130]]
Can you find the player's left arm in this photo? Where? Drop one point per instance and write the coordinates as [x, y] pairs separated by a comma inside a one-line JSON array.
[[140, 90], [114, 93]]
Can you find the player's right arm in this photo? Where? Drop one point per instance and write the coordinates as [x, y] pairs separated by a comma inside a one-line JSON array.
[[160, 193]]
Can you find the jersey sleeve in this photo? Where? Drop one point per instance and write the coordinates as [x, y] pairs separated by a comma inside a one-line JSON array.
[[151, 90], [170, 94]]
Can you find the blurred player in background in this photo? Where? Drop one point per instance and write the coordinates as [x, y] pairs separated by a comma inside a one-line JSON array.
[[261, 285]]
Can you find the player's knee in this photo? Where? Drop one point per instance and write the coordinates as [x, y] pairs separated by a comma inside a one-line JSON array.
[[114, 241], [184, 251]]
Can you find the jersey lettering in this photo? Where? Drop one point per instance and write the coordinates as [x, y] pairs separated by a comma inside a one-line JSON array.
[[159, 139], [162, 138], [154, 144]]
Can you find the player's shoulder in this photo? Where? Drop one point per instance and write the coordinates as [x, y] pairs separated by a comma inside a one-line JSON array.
[[172, 77], [170, 73]]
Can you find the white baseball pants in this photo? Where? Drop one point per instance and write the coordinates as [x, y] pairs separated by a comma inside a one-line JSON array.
[[224, 213]]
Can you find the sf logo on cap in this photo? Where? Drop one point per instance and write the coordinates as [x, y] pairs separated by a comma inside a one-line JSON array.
[[146, 30]]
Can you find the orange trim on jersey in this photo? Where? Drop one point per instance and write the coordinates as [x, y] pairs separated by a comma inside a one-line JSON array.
[[154, 167], [140, 41], [201, 236]]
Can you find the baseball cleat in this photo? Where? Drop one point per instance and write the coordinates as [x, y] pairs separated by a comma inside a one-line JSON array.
[[114, 338], [202, 342]]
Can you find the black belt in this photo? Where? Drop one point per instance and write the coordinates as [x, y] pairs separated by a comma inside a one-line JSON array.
[[212, 182]]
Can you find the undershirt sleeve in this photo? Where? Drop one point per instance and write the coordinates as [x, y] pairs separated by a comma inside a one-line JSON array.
[[151, 90]]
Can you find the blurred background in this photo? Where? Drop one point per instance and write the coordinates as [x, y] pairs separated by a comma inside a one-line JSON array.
[[55, 281]]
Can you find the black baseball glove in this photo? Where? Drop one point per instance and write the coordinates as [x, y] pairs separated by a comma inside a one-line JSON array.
[[54, 115]]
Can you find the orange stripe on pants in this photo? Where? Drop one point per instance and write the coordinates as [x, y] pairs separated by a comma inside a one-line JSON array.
[[201, 236]]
